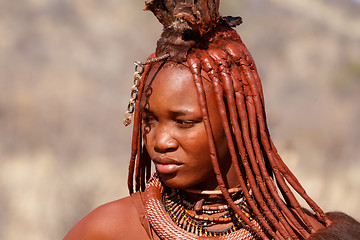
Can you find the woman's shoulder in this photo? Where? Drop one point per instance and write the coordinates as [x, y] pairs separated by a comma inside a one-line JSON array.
[[115, 220]]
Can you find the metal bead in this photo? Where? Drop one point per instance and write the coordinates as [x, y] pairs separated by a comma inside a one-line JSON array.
[[127, 121]]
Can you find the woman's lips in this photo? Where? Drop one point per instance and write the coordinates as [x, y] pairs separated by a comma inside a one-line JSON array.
[[166, 168], [166, 165]]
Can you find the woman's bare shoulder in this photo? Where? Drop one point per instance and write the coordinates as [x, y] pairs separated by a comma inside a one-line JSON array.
[[114, 220]]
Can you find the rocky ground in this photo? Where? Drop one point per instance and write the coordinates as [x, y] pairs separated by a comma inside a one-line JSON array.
[[65, 74]]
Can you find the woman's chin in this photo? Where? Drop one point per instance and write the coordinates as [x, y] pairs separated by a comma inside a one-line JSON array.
[[174, 181], [178, 182]]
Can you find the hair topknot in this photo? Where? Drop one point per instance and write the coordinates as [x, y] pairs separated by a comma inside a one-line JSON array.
[[186, 24]]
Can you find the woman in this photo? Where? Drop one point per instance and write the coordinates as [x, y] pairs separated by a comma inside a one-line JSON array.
[[200, 118]]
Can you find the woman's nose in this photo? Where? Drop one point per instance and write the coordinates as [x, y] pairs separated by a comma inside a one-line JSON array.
[[163, 140]]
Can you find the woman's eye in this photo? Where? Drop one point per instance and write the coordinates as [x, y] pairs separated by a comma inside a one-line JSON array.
[[185, 123]]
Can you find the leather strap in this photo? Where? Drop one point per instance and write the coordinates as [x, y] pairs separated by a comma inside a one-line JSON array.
[[137, 200]]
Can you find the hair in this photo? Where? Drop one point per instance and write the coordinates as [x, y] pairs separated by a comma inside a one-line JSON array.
[[219, 51]]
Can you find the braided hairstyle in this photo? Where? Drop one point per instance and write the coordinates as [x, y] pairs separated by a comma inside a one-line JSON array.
[[195, 33]]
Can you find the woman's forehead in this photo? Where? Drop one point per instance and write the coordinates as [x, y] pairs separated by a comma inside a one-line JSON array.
[[168, 80]]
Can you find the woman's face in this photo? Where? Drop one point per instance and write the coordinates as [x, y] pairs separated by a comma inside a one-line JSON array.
[[174, 132]]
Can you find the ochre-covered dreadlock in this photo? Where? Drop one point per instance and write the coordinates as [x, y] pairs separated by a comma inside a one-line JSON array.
[[208, 43]]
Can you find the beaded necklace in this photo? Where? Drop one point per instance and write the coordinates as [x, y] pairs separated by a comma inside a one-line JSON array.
[[167, 225], [182, 214]]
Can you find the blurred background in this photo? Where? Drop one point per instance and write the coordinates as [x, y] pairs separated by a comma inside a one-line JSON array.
[[65, 76]]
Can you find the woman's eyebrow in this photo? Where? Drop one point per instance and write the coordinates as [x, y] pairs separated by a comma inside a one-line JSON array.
[[181, 112]]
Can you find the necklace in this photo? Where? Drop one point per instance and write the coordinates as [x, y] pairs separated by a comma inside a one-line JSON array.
[[211, 192], [207, 208], [166, 228], [193, 223]]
